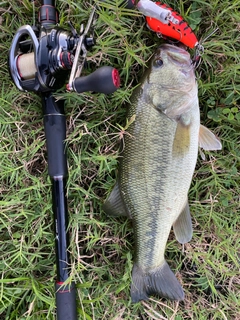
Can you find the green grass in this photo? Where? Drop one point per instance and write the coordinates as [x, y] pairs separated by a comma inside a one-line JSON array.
[[102, 247]]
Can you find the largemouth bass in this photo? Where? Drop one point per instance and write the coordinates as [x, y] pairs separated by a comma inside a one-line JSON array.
[[156, 168]]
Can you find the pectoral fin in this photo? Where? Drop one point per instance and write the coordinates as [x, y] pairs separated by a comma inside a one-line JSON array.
[[183, 226], [114, 204], [208, 140], [181, 142]]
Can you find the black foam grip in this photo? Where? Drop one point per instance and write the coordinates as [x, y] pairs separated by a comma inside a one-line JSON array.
[[103, 80], [55, 132], [66, 302]]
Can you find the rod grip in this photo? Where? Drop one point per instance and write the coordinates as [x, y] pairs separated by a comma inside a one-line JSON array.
[[104, 80], [66, 301]]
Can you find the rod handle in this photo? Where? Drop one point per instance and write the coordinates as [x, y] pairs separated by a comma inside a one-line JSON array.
[[66, 301], [104, 80]]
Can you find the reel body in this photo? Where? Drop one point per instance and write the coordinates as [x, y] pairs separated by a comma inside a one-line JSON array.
[[41, 63], [43, 60]]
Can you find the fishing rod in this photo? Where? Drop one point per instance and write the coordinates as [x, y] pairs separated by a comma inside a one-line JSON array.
[[41, 60]]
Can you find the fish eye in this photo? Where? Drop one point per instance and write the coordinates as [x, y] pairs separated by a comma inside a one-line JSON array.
[[158, 63]]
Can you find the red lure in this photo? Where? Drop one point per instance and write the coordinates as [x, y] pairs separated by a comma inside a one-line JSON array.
[[181, 31]]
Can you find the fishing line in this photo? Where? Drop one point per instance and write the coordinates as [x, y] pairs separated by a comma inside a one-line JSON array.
[[196, 61], [214, 31]]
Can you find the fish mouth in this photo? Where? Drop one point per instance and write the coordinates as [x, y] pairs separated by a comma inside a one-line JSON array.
[[178, 55]]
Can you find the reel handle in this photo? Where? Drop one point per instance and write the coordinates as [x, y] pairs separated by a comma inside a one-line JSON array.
[[104, 80]]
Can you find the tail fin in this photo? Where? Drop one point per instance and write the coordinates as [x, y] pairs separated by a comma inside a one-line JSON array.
[[161, 281]]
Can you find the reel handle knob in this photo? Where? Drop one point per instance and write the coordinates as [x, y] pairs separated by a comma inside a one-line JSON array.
[[104, 80]]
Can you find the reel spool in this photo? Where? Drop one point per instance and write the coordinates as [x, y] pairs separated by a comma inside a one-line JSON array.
[[26, 66], [23, 65]]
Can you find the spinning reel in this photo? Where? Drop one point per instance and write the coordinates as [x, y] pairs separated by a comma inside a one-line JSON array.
[[40, 59]]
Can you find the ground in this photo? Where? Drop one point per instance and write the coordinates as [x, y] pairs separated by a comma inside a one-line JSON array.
[[102, 247]]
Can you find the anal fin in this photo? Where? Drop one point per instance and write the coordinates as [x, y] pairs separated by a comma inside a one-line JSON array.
[[114, 205], [183, 226]]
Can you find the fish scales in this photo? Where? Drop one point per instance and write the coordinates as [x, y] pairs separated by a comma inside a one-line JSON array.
[[148, 190], [156, 168]]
